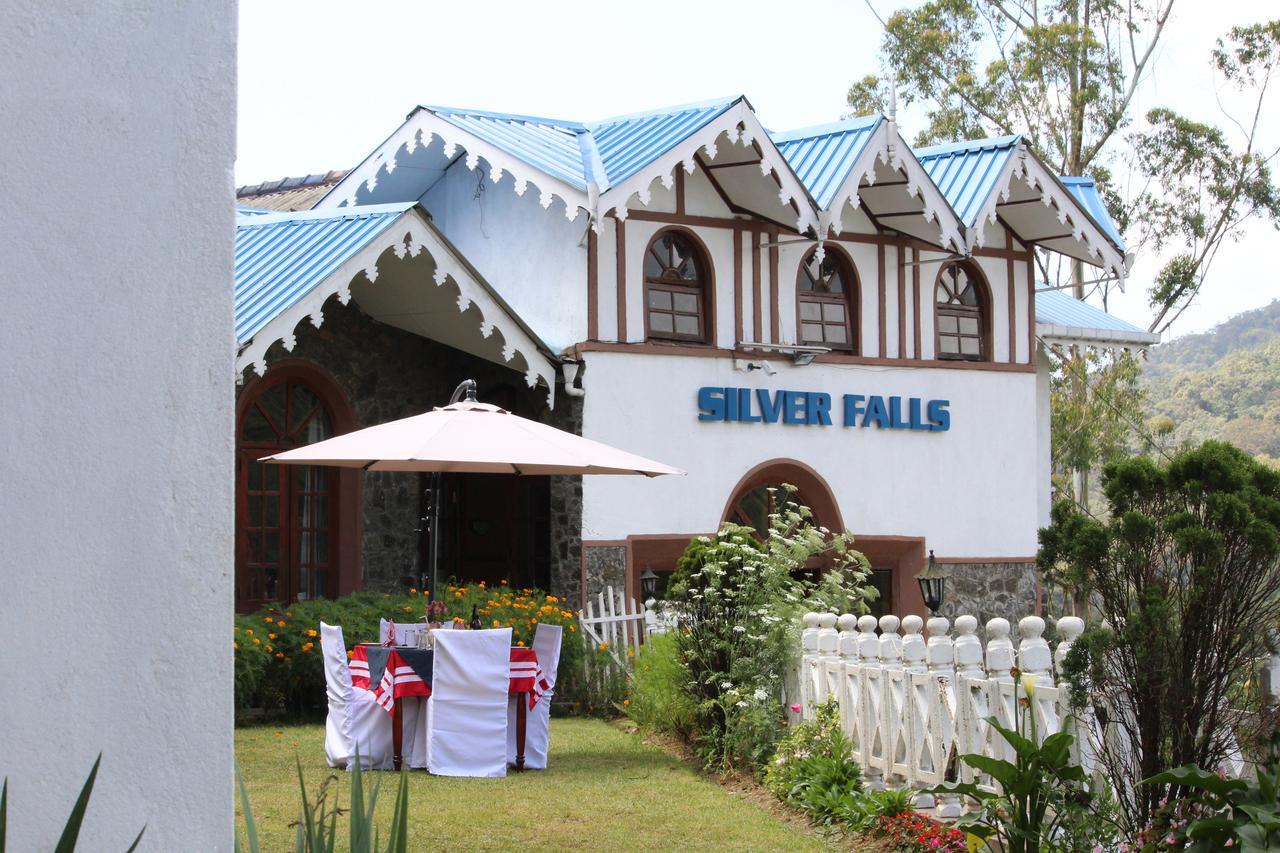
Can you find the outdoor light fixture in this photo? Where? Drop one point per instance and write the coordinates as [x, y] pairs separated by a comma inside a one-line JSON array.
[[649, 583], [932, 585], [803, 357]]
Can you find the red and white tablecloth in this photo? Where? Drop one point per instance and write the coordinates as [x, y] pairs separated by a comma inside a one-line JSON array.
[[400, 679]]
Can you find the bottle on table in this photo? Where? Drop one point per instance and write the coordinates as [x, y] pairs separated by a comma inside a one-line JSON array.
[[475, 618]]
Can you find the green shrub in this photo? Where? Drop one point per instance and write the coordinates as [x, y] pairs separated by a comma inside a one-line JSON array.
[[737, 599], [828, 787], [279, 668], [657, 699], [820, 736]]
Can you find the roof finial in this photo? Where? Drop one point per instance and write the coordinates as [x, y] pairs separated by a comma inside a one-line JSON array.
[[892, 112]]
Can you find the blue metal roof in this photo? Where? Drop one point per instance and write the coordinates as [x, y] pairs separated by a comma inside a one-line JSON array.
[[548, 144], [281, 257], [1086, 192], [607, 152], [626, 144], [966, 172], [822, 156], [1060, 309]]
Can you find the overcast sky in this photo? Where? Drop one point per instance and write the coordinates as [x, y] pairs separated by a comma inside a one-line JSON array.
[[323, 82]]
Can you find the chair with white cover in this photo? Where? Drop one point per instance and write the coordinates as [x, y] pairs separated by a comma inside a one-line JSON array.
[[406, 633], [467, 715], [537, 726], [355, 720]]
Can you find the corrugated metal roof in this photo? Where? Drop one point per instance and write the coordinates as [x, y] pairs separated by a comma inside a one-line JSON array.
[[280, 257], [1086, 192], [966, 172], [822, 156], [626, 144], [549, 145], [1055, 308]]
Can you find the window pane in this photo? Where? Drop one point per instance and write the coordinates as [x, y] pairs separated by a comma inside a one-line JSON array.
[[686, 302], [304, 583], [810, 311], [271, 516], [970, 296], [947, 324], [805, 281], [301, 404], [255, 510], [255, 476], [322, 549], [969, 325], [256, 427], [969, 346], [270, 552], [272, 476], [835, 284], [659, 322], [836, 334], [686, 325], [833, 312], [272, 403], [652, 267], [659, 299], [811, 331], [948, 345]]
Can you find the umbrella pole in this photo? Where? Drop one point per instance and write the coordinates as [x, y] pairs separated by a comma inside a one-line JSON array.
[[433, 558]]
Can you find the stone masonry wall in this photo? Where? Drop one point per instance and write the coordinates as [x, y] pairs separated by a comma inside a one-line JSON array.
[[988, 590], [387, 373]]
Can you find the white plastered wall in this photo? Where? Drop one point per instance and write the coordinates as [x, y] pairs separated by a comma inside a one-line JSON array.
[[974, 491], [116, 421], [535, 258]]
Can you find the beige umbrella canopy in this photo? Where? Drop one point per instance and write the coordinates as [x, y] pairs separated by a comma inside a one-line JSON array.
[[474, 438], [468, 437]]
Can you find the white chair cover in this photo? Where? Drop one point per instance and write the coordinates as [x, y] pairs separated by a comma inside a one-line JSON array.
[[537, 723], [406, 632], [467, 711], [355, 719]]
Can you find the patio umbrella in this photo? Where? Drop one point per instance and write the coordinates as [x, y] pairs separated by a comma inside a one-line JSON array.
[[471, 437]]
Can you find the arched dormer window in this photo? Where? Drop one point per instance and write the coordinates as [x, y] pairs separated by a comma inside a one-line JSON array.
[[826, 301], [962, 314], [677, 289]]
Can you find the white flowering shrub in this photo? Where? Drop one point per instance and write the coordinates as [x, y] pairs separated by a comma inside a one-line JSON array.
[[737, 600]]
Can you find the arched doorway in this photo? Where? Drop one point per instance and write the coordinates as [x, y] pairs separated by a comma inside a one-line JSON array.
[[758, 492], [294, 533]]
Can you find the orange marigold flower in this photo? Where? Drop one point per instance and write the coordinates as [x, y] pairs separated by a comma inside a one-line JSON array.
[[235, 645], [413, 590], [271, 636], [519, 642], [350, 655], [571, 628], [604, 646], [407, 609], [279, 655], [552, 598], [279, 734], [269, 649], [256, 641], [280, 623], [503, 582], [267, 619], [626, 701], [249, 631], [313, 632], [497, 624]]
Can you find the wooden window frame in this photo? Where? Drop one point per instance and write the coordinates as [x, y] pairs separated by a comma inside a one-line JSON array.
[[983, 311], [704, 292], [345, 489], [851, 299]]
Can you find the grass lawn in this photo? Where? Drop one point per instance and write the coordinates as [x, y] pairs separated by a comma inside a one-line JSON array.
[[605, 789]]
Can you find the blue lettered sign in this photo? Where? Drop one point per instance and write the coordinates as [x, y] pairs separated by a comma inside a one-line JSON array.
[[816, 408]]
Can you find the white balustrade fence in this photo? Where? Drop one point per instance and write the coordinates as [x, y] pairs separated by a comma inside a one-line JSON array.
[[916, 696]]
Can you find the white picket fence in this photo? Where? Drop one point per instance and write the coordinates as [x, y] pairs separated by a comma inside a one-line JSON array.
[[911, 706], [615, 621]]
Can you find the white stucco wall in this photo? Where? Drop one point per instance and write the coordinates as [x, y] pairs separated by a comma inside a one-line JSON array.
[[973, 491], [117, 128], [535, 258]]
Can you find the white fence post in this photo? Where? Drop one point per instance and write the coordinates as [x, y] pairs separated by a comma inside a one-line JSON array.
[[893, 724], [871, 746], [971, 692], [809, 644], [828, 641], [846, 688], [940, 653]]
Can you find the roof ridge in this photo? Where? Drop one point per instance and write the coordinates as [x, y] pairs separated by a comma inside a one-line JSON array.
[[575, 126], [675, 108], [828, 129], [279, 217], [927, 151]]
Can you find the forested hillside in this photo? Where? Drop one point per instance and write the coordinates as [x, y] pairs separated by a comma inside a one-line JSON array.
[[1222, 384]]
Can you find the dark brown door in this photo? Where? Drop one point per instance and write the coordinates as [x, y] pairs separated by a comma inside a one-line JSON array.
[[499, 529]]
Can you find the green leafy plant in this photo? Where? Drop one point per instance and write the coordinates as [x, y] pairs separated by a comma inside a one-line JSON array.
[[735, 597], [1228, 812], [827, 786], [317, 825], [1039, 789], [820, 736], [71, 829]]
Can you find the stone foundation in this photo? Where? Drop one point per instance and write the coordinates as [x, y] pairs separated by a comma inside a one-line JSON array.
[[988, 590]]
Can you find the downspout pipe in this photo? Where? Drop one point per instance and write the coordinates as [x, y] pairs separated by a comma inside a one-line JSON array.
[[569, 370]]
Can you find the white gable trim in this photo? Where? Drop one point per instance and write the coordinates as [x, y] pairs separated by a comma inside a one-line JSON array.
[[421, 128], [406, 237], [887, 145], [1023, 164], [740, 127], [1116, 339]]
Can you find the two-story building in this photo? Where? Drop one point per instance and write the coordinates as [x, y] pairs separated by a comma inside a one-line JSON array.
[[823, 307]]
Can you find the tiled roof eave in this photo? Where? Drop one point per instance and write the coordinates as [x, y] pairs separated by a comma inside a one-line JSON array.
[[1107, 338]]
